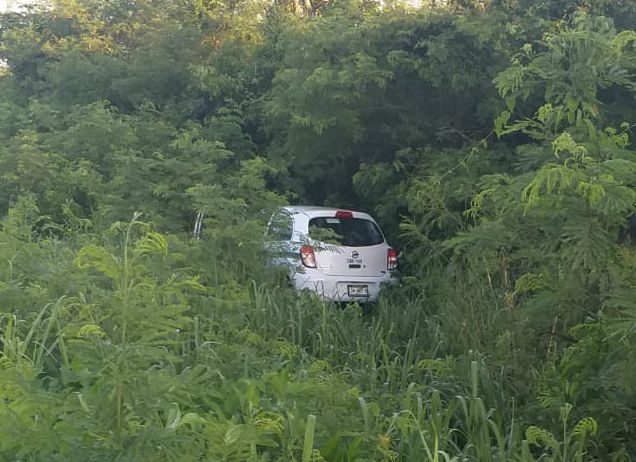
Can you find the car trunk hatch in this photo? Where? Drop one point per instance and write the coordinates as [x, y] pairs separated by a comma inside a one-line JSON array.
[[348, 246]]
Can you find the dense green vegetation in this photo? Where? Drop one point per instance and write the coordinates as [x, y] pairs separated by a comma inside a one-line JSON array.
[[494, 141]]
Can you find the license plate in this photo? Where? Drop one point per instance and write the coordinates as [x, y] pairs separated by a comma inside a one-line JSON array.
[[358, 291]]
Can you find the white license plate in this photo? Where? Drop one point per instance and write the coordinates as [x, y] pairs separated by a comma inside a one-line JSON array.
[[358, 291]]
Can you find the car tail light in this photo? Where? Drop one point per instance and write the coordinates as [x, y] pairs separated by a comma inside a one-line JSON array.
[[391, 259], [344, 214], [307, 256]]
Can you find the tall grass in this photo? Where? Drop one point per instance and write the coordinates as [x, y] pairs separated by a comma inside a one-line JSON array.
[[33, 341], [385, 345], [429, 404], [259, 373]]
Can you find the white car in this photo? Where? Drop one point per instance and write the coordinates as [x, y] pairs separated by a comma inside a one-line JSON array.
[[340, 255]]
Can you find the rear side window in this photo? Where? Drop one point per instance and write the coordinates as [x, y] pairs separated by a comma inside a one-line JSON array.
[[280, 227], [351, 232]]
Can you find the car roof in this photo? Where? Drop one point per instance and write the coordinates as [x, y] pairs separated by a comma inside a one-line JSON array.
[[315, 210]]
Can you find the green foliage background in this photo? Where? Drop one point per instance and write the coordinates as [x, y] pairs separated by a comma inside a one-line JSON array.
[[493, 140]]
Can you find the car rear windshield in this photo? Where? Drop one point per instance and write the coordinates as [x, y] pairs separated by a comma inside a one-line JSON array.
[[351, 232]]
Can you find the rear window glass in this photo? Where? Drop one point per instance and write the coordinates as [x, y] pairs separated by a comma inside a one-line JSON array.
[[351, 232]]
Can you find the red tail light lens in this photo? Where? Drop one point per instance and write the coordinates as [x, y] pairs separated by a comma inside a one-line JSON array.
[[391, 259], [307, 256], [344, 214]]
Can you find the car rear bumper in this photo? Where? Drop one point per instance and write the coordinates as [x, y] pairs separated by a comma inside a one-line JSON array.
[[341, 288]]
